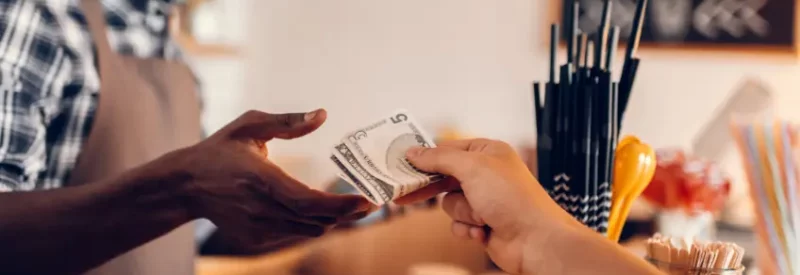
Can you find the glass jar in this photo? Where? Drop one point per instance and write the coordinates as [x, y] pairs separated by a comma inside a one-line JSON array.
[[679, 223], [674, 269]]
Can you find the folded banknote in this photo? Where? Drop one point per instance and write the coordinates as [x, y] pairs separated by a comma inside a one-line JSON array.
[[373, 158]]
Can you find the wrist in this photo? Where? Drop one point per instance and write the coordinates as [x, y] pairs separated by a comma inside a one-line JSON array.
[[165, 180], [547, 239], [538, 249], [579, 250]]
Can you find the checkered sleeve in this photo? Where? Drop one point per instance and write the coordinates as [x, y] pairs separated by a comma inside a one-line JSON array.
[[31, 64]]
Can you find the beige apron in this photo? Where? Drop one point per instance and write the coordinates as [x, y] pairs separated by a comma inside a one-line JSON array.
[[146, 108]]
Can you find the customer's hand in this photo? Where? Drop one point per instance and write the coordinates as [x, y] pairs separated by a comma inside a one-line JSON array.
[[493, 198], [231, 181]]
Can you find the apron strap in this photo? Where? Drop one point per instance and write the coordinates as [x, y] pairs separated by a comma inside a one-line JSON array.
[[95, 17]]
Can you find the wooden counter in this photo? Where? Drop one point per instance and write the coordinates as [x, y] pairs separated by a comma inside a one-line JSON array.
[[421, 236]]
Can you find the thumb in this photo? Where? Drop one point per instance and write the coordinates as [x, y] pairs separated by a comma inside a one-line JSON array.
[[443, 160], [265, 126]]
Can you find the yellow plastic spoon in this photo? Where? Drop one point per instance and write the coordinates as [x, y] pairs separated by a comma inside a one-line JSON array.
[[627, 140], [634, 167], [617, 189], [646, 175], [623, 177]]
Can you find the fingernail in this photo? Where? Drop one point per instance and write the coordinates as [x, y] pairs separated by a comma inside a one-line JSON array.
[[414, 151], [311, 115]]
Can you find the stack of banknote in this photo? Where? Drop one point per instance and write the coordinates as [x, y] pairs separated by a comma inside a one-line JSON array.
[[373, 158]]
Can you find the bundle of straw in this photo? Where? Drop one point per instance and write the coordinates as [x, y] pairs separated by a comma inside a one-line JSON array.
[[578, 118], [771, 166]]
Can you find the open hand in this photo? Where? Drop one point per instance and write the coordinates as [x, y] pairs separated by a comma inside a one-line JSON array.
[[231, 181]]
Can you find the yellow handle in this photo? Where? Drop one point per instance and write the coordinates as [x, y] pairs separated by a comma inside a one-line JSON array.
[[634, 166], [647, 168], [627, 140], [623, 176], [623, 151]]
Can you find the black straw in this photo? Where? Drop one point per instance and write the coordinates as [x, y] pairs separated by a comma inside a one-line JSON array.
[[613, 43], [626, 86], [553, 50], [631, 64], [602, 36], [573, 32], [537, 104], [580, 60], [588, 54], [636, 30], [578, 120]]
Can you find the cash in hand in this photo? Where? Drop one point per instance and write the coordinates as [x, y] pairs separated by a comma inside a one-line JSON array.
[[373, 158]]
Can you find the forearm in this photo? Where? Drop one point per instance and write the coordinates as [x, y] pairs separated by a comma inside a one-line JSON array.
[[582, 251], [72, 229]]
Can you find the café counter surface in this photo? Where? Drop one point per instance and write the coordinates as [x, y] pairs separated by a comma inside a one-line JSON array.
[[391, 247]]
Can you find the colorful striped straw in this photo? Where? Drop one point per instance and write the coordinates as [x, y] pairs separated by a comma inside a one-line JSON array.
[[777, 172], [771, 166]]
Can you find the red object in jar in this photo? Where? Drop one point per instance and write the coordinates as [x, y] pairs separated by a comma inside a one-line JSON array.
[[682, 181]]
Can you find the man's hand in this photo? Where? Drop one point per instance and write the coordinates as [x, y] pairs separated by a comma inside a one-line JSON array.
[[232, 182], [493, 198], [226, 178]]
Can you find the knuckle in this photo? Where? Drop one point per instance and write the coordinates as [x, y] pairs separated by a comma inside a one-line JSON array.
[[290, 120], [482, 142], [503, 146], [283, 120], [252, 114]]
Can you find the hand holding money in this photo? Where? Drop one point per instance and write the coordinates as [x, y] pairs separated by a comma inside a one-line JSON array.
[[493, 198], [373, 158]]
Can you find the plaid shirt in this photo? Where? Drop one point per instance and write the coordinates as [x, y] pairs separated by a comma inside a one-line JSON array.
[[49, 82]]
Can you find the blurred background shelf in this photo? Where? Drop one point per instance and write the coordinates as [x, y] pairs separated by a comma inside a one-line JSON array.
[[194, 48], [747, 28], [202, 16]]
